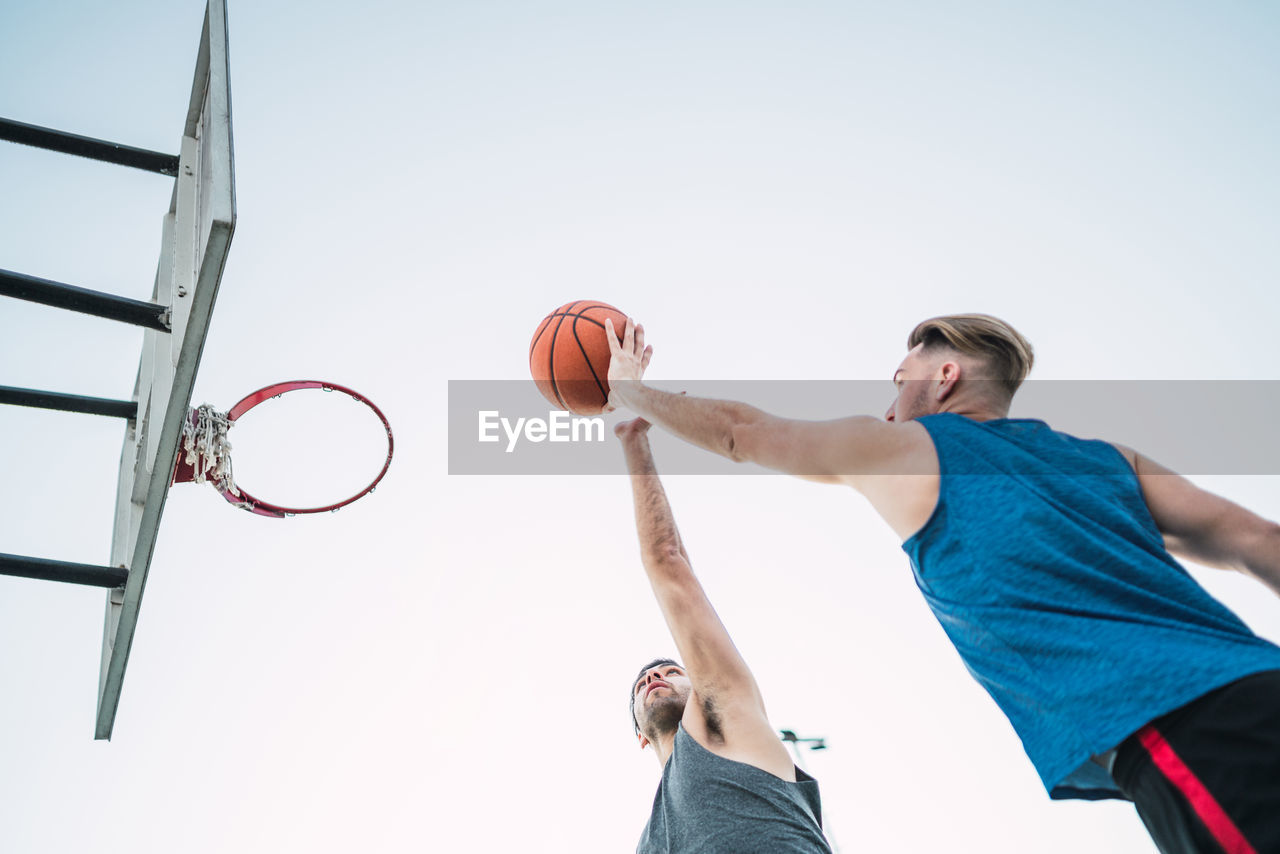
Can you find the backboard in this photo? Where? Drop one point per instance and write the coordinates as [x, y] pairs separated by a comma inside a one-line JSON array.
[[196, 237]]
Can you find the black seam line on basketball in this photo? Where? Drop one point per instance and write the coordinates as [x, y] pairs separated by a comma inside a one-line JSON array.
[[546, 321], [576, 317], [569, 311], [593, 305], [551, 364], [578, 312], [551, 358], [587, 319], [552, 354], [587, 359], [538, 336]]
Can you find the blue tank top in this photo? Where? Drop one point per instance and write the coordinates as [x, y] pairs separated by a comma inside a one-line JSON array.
[[1044, 567]]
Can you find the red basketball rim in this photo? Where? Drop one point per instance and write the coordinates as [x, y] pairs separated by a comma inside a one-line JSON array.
[[266, 508]]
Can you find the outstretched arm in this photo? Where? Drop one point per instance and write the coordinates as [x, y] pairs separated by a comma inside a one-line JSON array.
[[1207, 528], [840, 451], [726, 712]]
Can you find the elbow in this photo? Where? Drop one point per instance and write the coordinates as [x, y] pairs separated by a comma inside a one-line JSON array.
[[1260, 554], [659, 555], [737, 442], [666, 562]]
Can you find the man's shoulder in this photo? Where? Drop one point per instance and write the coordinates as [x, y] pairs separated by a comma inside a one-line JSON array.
[[904, 448]]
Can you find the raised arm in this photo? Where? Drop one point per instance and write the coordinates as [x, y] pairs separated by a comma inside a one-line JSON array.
[[1207, 528], [726, 712]]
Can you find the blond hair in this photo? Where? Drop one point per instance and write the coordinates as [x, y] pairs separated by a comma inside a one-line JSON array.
[[1002, 349]]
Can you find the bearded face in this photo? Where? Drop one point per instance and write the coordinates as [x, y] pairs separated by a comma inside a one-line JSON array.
[[659, 699]]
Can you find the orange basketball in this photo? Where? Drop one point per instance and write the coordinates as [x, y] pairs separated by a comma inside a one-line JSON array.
[[569, 355]]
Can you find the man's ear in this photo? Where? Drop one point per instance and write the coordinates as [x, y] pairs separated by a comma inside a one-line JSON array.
[[644, 742], [948, 377]]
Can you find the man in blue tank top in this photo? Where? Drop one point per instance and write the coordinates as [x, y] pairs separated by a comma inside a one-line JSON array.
[[728, 785], [1047, 560]]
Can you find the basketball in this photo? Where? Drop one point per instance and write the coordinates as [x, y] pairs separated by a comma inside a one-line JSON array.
[[569, 355]]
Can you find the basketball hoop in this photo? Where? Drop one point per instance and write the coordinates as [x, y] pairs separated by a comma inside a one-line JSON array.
[[205, 454]]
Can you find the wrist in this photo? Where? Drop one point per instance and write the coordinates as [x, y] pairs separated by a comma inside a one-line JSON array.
[[636, 443], [627, 393]]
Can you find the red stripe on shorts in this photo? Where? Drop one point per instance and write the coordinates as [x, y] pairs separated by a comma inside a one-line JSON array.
[[1184, 779]]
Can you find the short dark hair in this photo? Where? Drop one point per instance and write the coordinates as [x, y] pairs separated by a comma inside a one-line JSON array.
[[631, 695]]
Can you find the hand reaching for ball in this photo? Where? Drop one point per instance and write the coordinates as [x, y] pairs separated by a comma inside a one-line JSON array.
[[627, 361]]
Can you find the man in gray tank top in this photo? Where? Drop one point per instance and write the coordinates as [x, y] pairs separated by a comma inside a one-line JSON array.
[[728, 785]]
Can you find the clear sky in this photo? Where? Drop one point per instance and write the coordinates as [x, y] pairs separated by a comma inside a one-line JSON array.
[[778, 191]]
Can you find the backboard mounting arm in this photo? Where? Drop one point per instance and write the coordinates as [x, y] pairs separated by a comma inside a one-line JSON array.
[[68, 402], [84, 146], [138, 312], [61, 570]]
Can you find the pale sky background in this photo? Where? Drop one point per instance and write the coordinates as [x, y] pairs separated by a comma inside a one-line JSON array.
[[778, 191]]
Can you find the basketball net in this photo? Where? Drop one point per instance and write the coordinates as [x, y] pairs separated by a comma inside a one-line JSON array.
[[208, 452]]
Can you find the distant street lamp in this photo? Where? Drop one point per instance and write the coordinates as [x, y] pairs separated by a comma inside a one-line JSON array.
[[794, 741], [791, 738]]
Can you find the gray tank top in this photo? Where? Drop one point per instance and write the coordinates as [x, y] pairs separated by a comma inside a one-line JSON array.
[[707, 804]]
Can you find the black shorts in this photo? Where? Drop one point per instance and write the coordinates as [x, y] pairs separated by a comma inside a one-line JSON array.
[[1206, 777]]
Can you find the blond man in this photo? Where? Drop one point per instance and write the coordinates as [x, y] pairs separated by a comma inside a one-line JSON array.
[[1046, 559]]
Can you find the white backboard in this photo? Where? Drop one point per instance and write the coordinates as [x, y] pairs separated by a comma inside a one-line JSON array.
[[196, 238]]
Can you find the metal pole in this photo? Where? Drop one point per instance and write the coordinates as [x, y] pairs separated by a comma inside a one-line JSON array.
[[59, 570], [793, 741], [84, 146], [68, 402], [58, 295]]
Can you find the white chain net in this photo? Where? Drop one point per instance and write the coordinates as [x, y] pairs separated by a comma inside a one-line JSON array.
[[208, 452]]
